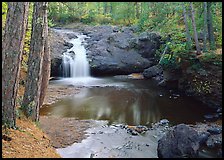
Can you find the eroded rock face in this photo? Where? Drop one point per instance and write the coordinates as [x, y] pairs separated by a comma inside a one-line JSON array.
[[180, 142], [58, 45], [152, 71], [120, 52], [111, 50]]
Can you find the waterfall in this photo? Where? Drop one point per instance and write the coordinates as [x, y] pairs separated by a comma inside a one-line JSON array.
[[74, 60]]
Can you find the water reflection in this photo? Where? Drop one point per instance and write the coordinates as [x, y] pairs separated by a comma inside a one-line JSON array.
[[137, 104]]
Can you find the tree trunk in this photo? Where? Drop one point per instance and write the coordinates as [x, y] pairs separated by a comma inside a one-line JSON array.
[[46, 62], [189, 42], [12, 46], [210, 28], [205, 27], [195, 30], [33, 82], [105, 8], [137, 11], [111, 8]]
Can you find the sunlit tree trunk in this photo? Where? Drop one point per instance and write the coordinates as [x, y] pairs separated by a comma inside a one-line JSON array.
[[33, 82], [46, 62], [195, 30], [186, 28], [12, 46]]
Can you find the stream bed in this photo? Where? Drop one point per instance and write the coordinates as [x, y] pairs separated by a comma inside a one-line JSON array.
[[117, 101]]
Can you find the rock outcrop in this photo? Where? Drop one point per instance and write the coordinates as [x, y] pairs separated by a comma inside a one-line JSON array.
[[110, 50]]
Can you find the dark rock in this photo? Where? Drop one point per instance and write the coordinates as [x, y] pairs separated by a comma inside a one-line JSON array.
[[141, 129], [162, 83], [71, 35], [110, 50], [132, 132], [69, 45], [203, 137], [214, 141], [214, 130], [148, 43], [164, 121], [152, 71], [180, 142], [56, 67]]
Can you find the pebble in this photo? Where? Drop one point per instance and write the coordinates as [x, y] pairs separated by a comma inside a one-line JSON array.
[[163, 121]]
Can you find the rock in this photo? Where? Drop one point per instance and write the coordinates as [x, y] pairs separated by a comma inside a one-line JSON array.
[[69, 45], [118, 52], [180, 142], [152, 71], [71, 35], [148, 43], [56, 67], [203, 137], [132, 132], [214, 130], [214, 141], [110, 50], [162, 83], [164, 121]]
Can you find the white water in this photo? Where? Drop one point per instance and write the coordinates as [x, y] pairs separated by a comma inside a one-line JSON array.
[[75, 63]]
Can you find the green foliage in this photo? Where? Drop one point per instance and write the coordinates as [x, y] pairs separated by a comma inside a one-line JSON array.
[[170, 62], [212, 57]]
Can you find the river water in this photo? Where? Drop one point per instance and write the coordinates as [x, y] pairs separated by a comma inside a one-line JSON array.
[[120, 99]]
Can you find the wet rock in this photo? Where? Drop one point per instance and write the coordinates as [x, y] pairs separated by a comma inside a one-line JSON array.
[[214, 130], [214, 141], [162, 83], [164, 121], [203, 137], [69, 45], [181, 141], [71, 35], [141, 129], [132, 132], [152, 71]]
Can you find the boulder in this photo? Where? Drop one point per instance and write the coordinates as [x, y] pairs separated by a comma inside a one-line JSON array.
[[148, 43], [111, 51], [152, 71], [181, 141]]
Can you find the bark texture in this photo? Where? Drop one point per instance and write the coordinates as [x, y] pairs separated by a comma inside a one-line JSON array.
[[46, 62], [195, 29], [31, 97], [12, 46]]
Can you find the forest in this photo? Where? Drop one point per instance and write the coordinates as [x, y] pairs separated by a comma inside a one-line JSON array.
[[134, 78]]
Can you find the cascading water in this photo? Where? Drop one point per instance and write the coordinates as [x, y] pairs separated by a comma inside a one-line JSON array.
[[76, 69], [75, 63]]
